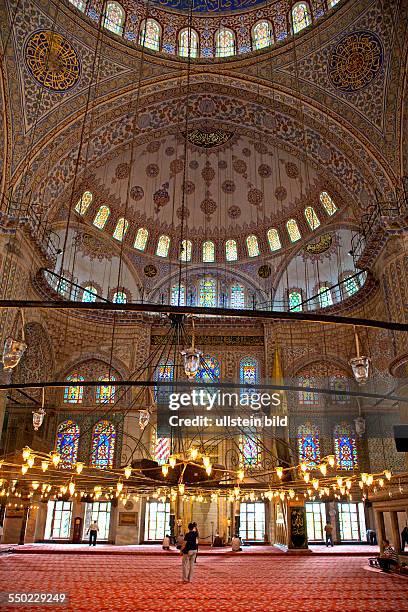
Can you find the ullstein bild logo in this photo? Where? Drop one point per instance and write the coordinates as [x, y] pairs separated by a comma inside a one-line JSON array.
[[212, 410]]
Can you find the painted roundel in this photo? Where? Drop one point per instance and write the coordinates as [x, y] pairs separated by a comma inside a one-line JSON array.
[[52, 60], [355, 61]]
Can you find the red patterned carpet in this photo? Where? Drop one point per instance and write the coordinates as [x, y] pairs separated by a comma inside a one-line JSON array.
[[153, 584]]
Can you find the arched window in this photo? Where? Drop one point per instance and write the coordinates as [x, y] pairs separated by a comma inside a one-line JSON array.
[[261, 34], [311, 217], [163, 246], [308, 444], [231, 251], [248, 371], [121, 229], [340, 385], [207, 293], [328, 203], [224, 43], [300, 16], [101, 217], [141, 239], [345, 447], [273, 239], [237, 299], [209, 369], [308, 397], [161, 449], [67, 443], [295, 301], [89, 294], [252, 245], [80, 4], [293, 230], [178, 295], [103, 445], [114, 17], [208, 251], [325, 297], [150, 34], [105, 394], [350, 284], [186, 248], [332, 3], [119, 297], [250, 450], [188, 43], [164, 373], [84, 202], [74, 395]]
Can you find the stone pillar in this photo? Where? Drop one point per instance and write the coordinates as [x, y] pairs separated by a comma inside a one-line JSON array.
[[5, 379], [31, 524], [13, 522], [395, 531], [380, 528]]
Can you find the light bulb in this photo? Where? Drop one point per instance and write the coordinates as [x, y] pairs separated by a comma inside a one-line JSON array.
[[306, 477], [291, 493], [206, 462], [172, 462], [282, 495], [381, 482], [387, 474], [279, 472], [193, 453], [237, 491], [340, 482], [71, 488], [181, 488], [35, 485], [30, 461], [44, 465], [348, 484], [26, 452], [361, 484], [119, 486], [165, 470], [241, 475], [370, 480], [364, 477], [315, 483], [208, 469], [331, 460], [79, 467], [128, 471], [24, 469], [323, 469], [55, 458]]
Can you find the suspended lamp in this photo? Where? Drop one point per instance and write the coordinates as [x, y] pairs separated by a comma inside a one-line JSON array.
[[181, 488], [323, 469], [193, 453], [191, 357], [144, 418], [71, 488], [119, 486], [55, 458], [79, 467], [241, 475], [128, 471], [38, 415], [44, 465], [331, 460], [360, 364], [30, 461], [26, 452], [208, 469], [387, 474], [279, 471], [206, 462], [172, 462], [165, 470], [35, 485]]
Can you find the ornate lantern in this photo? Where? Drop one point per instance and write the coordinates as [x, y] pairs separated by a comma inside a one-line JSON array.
[[38, 415], [144, 418], [360, 364], [14, 349], [191, 358], [360, 425]]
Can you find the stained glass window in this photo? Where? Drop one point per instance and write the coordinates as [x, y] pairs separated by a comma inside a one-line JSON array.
[[62, 286], [252, 245], [231, 251], [308, 444], [141, 239], [121, 229], [293, 230], [119, 297], [80, 4], [328, 203], [248, 371], [114, 17], [350, 285], [89, 294], [224, 43], [178, 295], [273, 239], [188, 41], [105, 394], [261, 35], [103, 445], [308, 397], [345, 447], [250, 450], [207, 296], [295, 301], [208, 252], [185, 252], [340, 384], [300, 16], [161, 449], [163, 246], [74, 395], [84, 202], [237, 296], [209, 369], [164, 372], [101, 217], [67, 443], [325, 297], [311, 217], [150, 35]]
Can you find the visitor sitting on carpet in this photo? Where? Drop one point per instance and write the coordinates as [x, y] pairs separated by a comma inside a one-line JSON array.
[[389, 558], [218, 543], [166, 542], [236, 544]]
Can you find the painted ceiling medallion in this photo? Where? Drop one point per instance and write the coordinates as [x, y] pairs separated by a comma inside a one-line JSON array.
[[52, 60], [210, 139], [321, 246], [92, 247], [355, 61], [150, 270], [264, 271]]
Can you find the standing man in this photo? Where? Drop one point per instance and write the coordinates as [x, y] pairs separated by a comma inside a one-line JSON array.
[[93, 532], [329, 534], [189, 551]]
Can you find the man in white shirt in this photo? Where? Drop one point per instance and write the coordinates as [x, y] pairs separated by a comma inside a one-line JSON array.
[[93, 532], [236, 544]]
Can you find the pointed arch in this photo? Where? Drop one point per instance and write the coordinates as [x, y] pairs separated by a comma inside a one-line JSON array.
[[252, 245], [121, 228], [186, 250], [101, 217], [89, 294], [312, 218], [150, 34], [328, 203], [67, 443], [207, 293], [114, 19], [208, 251], [273, 239], [163, 246], [237, 296], [262, 34], [74, 395], [293, 230], [103, 445], [345, 448], [308, 438], [188, 43], [301, 16], [224, 42], [141, 239], [84, 202], [231, 250], [105, 394]]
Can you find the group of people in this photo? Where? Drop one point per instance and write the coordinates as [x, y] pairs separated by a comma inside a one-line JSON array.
[[389, 559]]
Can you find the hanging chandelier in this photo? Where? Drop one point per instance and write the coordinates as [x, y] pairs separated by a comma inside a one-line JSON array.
[[360, 364], [191, 357], [14, 349], [38, 415]]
